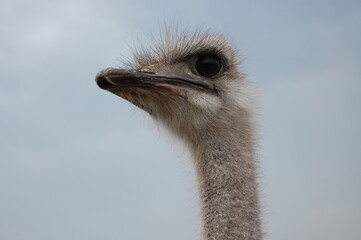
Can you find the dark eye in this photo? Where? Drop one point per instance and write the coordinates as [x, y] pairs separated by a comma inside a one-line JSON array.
[[208, 65]]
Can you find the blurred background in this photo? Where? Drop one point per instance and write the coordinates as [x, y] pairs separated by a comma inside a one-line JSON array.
[[78, 163]]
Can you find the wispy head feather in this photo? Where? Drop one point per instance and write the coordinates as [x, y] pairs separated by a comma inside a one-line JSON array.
[[175, 45]]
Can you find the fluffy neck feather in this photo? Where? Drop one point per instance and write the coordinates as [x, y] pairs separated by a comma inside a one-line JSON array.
[[224, 159]]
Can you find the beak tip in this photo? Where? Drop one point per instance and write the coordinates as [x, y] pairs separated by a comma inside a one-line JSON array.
[[101, 83], [101, 80]]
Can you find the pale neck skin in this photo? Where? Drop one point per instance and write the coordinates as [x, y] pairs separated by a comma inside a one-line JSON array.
[[225, 167]]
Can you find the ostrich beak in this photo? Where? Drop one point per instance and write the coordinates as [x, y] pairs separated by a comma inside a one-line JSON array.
[[115, 79]]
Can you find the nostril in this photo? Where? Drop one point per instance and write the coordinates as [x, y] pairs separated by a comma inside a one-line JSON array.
[[102, 82]]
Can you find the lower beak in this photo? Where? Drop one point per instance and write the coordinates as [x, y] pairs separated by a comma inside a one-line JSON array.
[[114, 79]]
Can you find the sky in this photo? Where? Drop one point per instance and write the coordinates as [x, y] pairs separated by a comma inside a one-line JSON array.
[[79, 163]]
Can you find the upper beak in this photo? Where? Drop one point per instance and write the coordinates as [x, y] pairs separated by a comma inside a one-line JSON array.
[[113, 79]]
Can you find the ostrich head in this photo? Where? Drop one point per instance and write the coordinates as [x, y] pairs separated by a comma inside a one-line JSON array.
[[191, 84], [186, 82]]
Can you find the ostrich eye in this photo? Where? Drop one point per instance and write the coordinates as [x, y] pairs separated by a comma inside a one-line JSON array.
[[208, 65]]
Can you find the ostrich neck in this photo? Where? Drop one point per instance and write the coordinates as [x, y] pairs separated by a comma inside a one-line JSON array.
[[225, 168]]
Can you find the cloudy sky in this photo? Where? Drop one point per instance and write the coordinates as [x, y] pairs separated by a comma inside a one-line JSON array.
[[79, 163]]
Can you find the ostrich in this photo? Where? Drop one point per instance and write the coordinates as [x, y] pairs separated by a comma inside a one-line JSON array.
[[191, 84]]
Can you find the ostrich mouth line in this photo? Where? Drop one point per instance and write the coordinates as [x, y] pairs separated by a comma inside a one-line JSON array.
[[112, 79]]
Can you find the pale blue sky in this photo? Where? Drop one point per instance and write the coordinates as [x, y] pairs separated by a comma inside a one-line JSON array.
[[70, 162]]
